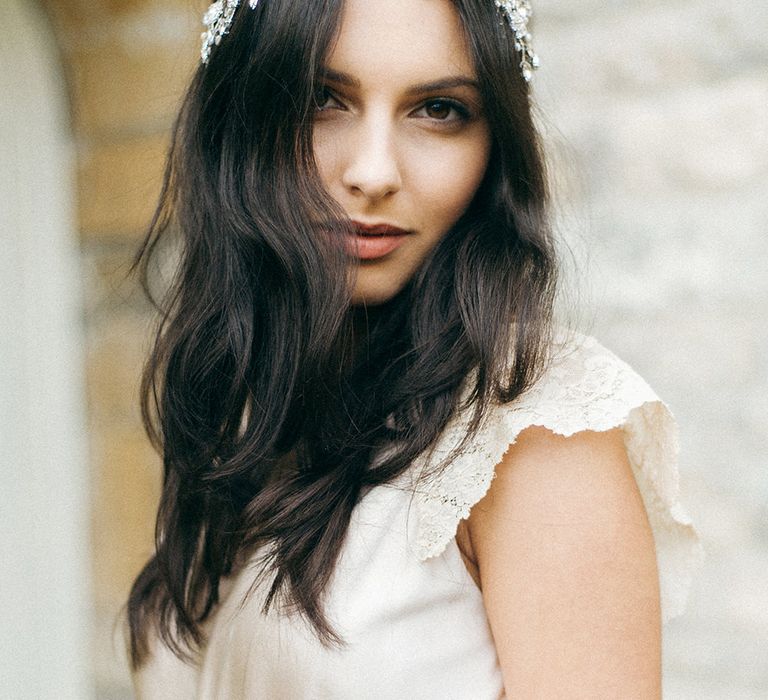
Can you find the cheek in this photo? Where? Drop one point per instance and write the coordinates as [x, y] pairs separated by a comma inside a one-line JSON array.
[[447, 181], [328, 156]]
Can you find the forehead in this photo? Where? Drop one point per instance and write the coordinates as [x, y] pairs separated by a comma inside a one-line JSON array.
[[388, 41]]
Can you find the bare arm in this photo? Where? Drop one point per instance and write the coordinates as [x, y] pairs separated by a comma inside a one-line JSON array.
[[568, 570]]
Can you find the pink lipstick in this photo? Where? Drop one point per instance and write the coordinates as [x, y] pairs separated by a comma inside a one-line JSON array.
[[372, 241]]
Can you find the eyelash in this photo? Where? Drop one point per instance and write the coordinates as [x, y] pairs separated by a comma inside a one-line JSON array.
[[462, 111]]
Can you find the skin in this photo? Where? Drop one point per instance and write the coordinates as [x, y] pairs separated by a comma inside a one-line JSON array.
[[564, 555], [390, 148], [560, 545]]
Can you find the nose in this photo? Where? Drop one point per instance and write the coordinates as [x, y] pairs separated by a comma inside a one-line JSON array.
[[372, 170]]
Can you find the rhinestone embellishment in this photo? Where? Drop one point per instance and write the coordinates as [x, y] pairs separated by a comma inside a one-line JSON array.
[[217, 21], [518, 14]]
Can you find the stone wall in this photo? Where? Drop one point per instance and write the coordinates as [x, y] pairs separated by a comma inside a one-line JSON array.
[[655, 113]]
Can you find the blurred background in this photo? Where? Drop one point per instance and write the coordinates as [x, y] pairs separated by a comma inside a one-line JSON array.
[[656, 116]]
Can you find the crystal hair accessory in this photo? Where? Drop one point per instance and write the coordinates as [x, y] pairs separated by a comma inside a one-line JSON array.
[[220, 15], [518, 14], [217, 20]]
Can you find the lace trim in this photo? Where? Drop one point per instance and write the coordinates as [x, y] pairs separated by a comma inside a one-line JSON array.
[[586, 387]]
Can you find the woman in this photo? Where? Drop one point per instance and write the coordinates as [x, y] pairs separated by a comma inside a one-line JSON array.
[[357, 341]]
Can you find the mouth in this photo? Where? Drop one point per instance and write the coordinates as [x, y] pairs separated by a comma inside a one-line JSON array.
[[372, 241]]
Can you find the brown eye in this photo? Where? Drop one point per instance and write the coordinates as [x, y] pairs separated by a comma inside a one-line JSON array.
[[438, 109], [324, 100], [444, 110]]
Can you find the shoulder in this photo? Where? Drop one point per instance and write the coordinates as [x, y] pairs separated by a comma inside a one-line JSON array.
[[555, 488], [566, 554], [590, 425], [561, 479]]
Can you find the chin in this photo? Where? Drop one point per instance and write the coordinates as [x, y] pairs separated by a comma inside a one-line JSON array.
[[376, 294], [371, 299]]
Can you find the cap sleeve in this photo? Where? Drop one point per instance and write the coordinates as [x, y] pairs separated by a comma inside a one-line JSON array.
[[585, 387]]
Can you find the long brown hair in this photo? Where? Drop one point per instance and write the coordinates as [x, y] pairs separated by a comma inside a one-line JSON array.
[[267, 413]]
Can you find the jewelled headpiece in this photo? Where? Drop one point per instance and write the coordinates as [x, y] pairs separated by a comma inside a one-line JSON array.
[[518, 14], [220, 15], [218, 19]]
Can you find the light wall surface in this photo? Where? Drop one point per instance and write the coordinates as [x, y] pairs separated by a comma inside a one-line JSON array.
[[657, 114], [46, 620]]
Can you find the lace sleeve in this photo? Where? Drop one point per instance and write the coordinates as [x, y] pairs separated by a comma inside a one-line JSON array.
[[586, 387]]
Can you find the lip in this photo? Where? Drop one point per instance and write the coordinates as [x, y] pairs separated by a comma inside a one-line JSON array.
[[372, 241]]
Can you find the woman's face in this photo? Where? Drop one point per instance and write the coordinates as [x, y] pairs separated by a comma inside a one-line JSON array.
[[400, 138]]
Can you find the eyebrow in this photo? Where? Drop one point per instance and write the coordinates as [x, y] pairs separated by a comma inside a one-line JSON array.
[[451, 81]]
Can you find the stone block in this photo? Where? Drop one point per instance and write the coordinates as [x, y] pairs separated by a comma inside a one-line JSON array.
[[73, 14], [115, 357], [109, 288], [125, 496], [126, 470], [118, 186], [123, 7], [119, 91]]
